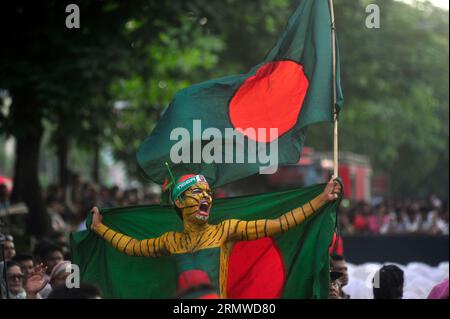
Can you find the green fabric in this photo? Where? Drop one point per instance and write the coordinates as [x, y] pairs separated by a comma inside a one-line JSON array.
[[304, 249], [306, 40]]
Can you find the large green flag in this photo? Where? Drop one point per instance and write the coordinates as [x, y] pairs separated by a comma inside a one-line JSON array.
[[294, 264], [289, 90]]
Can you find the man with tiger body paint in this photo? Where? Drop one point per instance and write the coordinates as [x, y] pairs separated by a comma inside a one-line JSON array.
[[202, 250]]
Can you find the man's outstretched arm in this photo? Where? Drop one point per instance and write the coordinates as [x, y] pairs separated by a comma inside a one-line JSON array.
[[238, 230], [153, 247]]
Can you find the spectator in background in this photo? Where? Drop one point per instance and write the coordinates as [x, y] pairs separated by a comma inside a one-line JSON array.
[[104, 200], [404, 222], [434, 224], [50, 255], [395, 217], [15, 279], [26, 263], [21, 287], [9, 247], [59, 274], [152, 195], [335, 285], [57, 193], [416, 218], [114, 196], [131, 197], [439, 291], [56, 210], [377, 220], [434, 201], [388, 283], [60, 239], [344, 219], [391, 224], [338, 264], [360, 221], [89, 196]]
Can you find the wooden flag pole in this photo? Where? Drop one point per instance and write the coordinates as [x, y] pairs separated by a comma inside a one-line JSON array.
[[335, 111]]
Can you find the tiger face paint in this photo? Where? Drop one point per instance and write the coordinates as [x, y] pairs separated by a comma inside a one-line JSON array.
[[196, 203]]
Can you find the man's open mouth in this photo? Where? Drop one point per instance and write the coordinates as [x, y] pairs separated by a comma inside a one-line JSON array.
[[203, 208]]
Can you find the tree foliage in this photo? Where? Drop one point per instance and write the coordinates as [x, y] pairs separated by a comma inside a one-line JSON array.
[[396, 86]]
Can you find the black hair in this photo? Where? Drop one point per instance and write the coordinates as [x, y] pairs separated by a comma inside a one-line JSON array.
[[85, 291], [388, 283], [43, 249], [22, 257], [51, 248], [11, 263], [337, 257], [37, 251], [335, 275]]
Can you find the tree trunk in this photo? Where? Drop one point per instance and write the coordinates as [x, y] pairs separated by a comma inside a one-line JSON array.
[[26, 181], [62, 144]]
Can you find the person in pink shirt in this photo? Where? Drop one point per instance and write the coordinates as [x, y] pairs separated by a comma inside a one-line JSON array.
[[439, 291]]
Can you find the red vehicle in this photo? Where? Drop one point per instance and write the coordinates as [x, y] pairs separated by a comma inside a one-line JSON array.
[[317, 167], [355, 172]]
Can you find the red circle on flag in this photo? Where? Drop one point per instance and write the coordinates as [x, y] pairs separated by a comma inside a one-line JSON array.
[[255, 270], [272, 98]]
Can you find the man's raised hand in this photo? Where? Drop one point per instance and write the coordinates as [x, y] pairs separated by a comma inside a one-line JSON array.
[[97, 218], [332, 190]]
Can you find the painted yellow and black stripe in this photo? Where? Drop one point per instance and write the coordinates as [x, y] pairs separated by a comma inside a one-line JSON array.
[[239, 230], [223, 235], [153, 247]]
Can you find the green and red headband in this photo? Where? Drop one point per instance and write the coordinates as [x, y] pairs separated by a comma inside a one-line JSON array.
[[183, 183]]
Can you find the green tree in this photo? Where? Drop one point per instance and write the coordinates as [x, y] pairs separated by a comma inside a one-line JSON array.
[[395, 82], [183, 52], [63, 76]]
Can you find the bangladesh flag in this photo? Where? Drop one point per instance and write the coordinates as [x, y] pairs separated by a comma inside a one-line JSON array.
[[233, 127], [294, 264]]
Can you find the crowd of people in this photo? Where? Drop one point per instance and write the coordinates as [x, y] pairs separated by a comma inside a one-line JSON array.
[[68, 209], [430, 217], [388, 282], [42, 271], [41, 274]]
